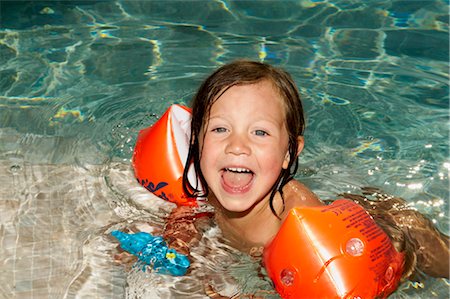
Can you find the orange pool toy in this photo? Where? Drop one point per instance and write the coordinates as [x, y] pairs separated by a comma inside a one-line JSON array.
[[160, 155], [334, 251]]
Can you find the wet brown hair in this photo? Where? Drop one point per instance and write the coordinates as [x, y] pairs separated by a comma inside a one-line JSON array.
[[242, 72]]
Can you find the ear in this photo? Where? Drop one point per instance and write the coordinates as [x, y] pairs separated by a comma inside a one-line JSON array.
[[300, 145]]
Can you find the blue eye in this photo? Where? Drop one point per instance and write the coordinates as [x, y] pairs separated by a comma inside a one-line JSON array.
[[261, 133], [219, 130]]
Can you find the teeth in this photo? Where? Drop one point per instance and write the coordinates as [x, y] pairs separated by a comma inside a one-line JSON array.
[[238, 169]]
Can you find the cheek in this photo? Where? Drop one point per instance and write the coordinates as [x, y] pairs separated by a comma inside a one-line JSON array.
[[273, 159], [205, 160], [207, 156], [280, 158]]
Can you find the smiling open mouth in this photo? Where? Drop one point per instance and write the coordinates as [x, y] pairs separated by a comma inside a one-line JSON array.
[[237, 179]]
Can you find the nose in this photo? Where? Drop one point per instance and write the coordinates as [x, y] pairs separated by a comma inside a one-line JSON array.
[[238, 144]]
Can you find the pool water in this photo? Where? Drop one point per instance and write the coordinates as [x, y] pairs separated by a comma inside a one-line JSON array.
[[79, 79]]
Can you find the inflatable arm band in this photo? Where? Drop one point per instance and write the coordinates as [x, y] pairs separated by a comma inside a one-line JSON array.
[[334, 251], [161, 153]]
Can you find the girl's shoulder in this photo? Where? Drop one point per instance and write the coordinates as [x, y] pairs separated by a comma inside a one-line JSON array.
[[298, 195]]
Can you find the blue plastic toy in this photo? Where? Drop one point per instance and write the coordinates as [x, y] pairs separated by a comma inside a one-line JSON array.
[[153, 251]]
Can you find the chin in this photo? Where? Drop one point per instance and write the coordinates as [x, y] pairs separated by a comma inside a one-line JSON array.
[[236, 207]]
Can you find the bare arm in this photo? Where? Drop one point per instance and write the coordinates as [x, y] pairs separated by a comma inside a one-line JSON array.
[[183, 228], [426, 248]]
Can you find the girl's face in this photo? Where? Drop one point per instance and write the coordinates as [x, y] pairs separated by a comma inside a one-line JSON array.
[[245, 145]]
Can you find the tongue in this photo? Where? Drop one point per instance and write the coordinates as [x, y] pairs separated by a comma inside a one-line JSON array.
[[237, 179]]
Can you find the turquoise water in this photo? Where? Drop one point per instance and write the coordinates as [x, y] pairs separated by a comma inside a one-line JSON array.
[[79, 79]]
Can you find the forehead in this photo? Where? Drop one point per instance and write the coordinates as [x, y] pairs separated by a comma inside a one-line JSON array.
[[262, 94]]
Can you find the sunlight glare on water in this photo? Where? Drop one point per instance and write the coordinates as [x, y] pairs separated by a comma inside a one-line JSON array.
[[79, 79]]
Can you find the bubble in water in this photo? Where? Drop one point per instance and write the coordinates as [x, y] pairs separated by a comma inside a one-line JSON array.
[[15, 168], [354, 247]]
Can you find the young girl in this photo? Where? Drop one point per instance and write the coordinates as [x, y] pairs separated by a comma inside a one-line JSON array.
[[246, 134], [247, 131]]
